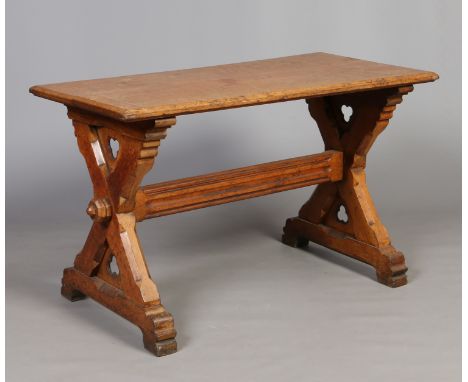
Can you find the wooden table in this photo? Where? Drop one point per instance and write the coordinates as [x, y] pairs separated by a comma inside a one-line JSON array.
[[351, 100]]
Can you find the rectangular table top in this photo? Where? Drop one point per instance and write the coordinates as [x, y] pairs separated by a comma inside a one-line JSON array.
[[172, 93]]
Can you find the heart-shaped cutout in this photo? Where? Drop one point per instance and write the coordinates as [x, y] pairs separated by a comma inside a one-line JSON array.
[[347, 112], [114, 146], [113, 267]]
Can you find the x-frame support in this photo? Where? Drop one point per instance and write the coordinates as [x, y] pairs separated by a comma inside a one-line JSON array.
[[116, 176], [358, 233]]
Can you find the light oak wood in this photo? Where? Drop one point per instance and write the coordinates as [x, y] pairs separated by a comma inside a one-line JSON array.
[[243, 183], [362, 236], [351, 101], [173, 93], [130, 291]]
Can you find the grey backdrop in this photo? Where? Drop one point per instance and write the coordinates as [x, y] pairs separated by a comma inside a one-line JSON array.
[[246, 307]]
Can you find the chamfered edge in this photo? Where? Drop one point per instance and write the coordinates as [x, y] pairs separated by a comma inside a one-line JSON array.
[[138, 114]]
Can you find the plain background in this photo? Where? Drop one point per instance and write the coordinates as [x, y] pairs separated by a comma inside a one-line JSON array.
[[246, 307]]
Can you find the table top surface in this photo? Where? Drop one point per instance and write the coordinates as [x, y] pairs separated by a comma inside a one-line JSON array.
[[172, 93]]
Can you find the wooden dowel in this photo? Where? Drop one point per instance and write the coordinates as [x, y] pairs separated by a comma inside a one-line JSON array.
[[243, 183]]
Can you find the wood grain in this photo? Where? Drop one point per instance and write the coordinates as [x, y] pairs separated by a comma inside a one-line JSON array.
[[136, 112], [243, 183], [362, 235], [129, 290], [154, 95]]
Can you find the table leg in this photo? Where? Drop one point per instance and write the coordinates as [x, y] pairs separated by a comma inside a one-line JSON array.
[[342, 215], [111, 267]]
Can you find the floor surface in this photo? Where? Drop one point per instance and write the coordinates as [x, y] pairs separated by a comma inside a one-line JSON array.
[[246, 307]]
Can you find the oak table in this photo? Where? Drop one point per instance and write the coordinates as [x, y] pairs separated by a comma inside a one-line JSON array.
[[351, 100]]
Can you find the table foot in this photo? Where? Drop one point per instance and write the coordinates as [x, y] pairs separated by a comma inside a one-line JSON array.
[[393, 272], [156, 324], [294, 241], [159, 348], [389, 263], [72, 294]]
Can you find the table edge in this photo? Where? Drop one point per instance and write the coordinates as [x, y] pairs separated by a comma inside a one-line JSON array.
[[133, 115]]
